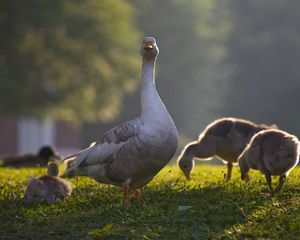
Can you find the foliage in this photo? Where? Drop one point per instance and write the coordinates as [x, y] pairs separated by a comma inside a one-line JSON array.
[[190, 36], [170, 208], [264, 52], [71, 59], [226, 58]]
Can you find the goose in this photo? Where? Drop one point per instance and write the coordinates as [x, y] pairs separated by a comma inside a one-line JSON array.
[[272, 152], [224, 138], [132, 153], [49, 188], [32, 160]]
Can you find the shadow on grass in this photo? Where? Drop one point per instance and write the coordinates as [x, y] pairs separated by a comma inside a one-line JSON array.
[[171, 210], [95, 215]]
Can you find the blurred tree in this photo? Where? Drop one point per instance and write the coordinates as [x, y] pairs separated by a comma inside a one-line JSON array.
[[191, 37], [70, 59], [223, 58], [264, 51]]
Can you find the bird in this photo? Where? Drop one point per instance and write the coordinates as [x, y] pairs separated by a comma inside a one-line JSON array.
[[224, 138], [272, 152], [132, 153], [41, 159], [48, 188]]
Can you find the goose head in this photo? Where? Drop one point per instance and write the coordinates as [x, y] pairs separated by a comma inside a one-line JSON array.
[[149, 48], [47, 152]]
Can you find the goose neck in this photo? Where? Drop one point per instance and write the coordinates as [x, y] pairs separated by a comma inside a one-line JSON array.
[[150, 100], [148, 71]]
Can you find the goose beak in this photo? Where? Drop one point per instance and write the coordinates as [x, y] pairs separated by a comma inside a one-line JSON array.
[[148, 45], [187, 175]]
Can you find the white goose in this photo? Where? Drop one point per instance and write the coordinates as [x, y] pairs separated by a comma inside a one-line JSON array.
[[131, 154]]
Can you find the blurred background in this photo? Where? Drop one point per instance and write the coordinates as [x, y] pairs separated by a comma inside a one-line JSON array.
[[70, 70]]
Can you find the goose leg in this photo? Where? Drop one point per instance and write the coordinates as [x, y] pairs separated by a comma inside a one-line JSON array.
[[281, 182], [126, 195], [229, 171]]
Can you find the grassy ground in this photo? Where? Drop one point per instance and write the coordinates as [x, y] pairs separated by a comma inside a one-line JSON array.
[[171, 208]]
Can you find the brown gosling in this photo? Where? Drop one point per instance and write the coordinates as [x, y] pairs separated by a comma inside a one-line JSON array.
[[49, 188], [273, 153], [224, 138]]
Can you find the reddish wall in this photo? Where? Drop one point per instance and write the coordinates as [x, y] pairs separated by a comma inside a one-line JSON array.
[[67, 135], [8, 136]]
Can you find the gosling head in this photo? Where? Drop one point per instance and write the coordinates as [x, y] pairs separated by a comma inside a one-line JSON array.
[[186, 164], [244, 168], [149, 49], [53, 169]]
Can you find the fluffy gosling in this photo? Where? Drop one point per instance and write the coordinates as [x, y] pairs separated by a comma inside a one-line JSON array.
[[49, 188], [273, 153], [224, 138]]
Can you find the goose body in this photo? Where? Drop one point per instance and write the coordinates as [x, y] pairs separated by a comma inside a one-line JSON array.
[[132, 153], [32, 160], [224, 138], [273, 153]]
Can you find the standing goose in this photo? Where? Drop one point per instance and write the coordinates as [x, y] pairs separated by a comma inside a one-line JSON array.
[[131, 154]]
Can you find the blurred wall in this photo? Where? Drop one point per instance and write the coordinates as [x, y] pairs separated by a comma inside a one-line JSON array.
[[27, 135]]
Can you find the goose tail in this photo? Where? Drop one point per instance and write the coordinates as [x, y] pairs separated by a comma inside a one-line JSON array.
[[75, 155], [74, 160]]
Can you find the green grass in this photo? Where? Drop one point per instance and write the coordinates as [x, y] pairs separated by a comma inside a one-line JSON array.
[[216, 210]]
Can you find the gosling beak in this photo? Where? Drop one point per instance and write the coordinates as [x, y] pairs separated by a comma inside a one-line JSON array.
[[148, 45], [187, 175]]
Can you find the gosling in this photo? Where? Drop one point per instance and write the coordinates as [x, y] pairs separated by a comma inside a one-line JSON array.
[[224, 138], [49, 188], [273, 153]]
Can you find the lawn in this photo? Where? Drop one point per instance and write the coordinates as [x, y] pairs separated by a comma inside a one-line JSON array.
[[170, 208]]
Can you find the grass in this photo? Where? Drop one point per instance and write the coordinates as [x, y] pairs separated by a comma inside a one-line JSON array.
[[170, 208]]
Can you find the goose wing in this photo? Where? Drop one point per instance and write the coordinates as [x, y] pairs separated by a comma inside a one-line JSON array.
[[120, 133], [100, 151]]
